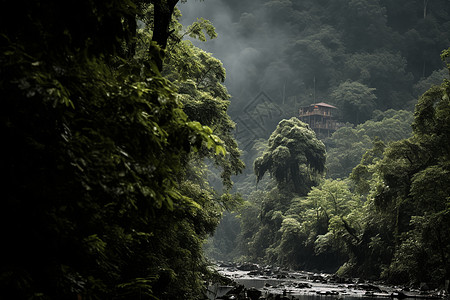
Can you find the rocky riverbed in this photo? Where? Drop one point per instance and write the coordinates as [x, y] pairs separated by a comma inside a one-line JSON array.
[[251, 281]]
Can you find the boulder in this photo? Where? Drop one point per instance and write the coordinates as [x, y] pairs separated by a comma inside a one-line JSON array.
[[248, 267], [253, 294]]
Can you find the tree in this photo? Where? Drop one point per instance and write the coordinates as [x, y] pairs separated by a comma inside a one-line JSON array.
[[347, 145], [366, 28], [412, 190], [199, 78], [425, 83], [317, 56], [295, 157], [334, 204], [356, 101], [345, 148], [385, 71], [97, 147], [316, 229]]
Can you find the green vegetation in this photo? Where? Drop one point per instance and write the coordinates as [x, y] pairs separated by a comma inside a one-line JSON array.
[[348, 144], [300, 52], [120, 156], [384, 217], [379, 209], [295, 158], [106, 193]]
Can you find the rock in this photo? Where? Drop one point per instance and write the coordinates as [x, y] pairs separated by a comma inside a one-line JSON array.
[[253, 294], [254, 273], [267, 271], [368, 287], [317, 278], [424, 287], [398, 295], [327, 293], [226, 264], [303, 285], [248, 267]]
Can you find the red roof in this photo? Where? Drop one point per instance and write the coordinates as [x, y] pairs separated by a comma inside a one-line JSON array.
[[323, 104]]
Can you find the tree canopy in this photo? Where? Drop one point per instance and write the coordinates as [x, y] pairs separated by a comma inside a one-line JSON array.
[[294, 157], [385, 214], [348, 144], [107, 195], [356, 101]]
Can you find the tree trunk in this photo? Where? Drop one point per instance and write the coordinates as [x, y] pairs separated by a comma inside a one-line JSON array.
[[163, 10]]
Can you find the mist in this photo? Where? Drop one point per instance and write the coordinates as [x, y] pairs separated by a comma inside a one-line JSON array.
[[123, 154], [251, 52], [281, 55]]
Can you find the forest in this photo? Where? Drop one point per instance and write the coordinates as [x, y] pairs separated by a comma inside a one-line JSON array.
[[146, 139]]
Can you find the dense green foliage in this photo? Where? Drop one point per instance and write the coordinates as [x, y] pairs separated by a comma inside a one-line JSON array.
[[106, 194], [382, 211], [300, 52], [115, 126], [414, 190], [295, 158], [387, 218], [348, 144], [355, 100]]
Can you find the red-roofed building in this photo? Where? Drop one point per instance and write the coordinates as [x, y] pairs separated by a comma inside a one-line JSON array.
[[320, 117]]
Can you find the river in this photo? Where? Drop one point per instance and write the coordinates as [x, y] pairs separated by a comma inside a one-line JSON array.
[[273, 283]]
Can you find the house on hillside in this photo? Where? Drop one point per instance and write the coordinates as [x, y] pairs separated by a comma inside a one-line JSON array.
[[321, 117]]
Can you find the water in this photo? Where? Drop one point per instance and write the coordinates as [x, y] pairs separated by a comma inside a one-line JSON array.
[[299, 285], [290, 287]]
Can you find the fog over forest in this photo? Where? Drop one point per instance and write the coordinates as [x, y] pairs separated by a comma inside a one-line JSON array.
[[282, 55], [251, 45], [371, 59], [308, 135]]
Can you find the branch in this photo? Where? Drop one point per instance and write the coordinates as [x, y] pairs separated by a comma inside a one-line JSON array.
[[350, 230]]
